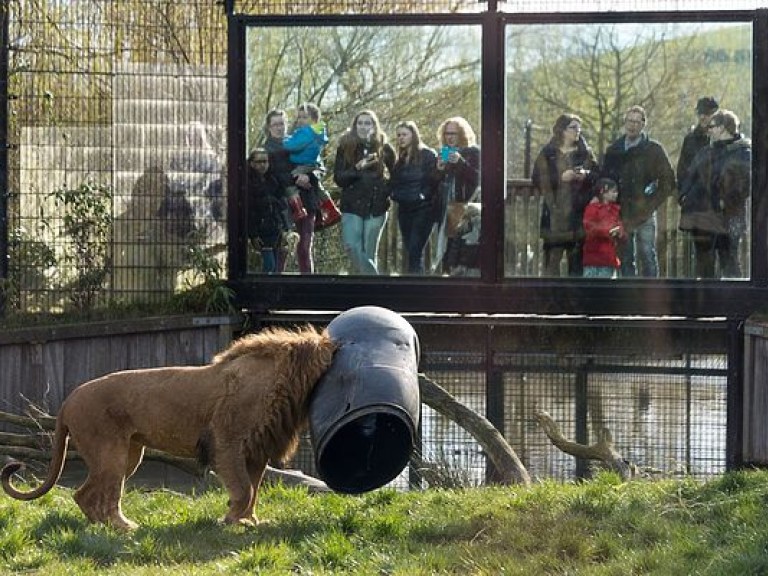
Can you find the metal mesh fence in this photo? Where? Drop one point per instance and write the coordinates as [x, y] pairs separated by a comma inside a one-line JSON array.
[[665, 416], [285, 7], [321, 7], [117, 133]]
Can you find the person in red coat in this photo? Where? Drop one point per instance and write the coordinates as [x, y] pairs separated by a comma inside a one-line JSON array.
[[603, 231]]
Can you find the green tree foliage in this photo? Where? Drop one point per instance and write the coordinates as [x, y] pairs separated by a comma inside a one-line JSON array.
[[598, 71], [85, 214], [420, 73]]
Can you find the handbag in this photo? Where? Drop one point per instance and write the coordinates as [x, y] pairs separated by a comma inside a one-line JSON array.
[[455, 214]]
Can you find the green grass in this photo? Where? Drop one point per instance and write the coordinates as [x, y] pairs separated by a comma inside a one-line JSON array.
[[602, 527]]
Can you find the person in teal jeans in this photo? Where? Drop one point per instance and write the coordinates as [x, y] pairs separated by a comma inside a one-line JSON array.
[[364, 159]]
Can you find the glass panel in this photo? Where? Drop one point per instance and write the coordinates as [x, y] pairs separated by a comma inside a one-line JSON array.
[[382, 149], [683, 188]]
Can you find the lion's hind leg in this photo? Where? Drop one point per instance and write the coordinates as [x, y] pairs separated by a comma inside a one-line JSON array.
[[99, 496]]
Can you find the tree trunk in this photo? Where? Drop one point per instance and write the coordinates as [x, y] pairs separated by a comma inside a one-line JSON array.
[[504, 458]]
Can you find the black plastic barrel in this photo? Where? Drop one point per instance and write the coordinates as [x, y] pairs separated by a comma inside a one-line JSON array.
[[364, 412]]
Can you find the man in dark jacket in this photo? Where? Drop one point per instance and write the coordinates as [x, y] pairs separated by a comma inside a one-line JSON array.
[[646, 179], [714, 196], [697, 138]]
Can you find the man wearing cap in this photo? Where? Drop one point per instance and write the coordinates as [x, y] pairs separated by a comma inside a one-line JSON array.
[[713, 198], [697, 138]]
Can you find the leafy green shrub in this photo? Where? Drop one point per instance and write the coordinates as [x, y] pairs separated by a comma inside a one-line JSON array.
[[86, 222]]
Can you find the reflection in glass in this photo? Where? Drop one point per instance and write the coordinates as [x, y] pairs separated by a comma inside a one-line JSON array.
[[420, 74], [595, 73]]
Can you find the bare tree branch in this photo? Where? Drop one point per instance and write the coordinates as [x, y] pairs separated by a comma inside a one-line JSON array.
[[603, 450]]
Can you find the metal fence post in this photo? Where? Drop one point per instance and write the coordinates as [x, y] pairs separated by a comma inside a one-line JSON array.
[[734, 431], [494, 397], [4, 71], [582, 409]]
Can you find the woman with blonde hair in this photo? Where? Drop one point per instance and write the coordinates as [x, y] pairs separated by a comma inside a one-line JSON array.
[[364, 159], [459, 166]]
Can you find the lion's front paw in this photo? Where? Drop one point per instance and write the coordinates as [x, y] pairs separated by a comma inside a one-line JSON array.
[[122, 524]]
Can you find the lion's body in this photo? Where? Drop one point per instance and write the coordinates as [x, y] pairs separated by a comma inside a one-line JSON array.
[[248, 406]]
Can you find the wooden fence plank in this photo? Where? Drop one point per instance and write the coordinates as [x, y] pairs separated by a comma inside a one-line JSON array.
[[44, 365]]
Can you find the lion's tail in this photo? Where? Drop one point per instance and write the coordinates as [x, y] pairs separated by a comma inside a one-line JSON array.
[[58, 457]]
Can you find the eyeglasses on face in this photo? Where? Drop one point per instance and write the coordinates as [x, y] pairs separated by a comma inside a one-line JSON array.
[[450, 133], [260, 161]]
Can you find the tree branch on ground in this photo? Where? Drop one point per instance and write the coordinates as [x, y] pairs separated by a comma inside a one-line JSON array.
[[603, 451], [509, 467]]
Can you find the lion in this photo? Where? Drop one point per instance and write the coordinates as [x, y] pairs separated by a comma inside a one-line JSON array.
[[247, 407]]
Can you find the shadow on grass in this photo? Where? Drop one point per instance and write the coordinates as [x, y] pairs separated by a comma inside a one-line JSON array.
[[202, 539], [55, 522], [68, 536]]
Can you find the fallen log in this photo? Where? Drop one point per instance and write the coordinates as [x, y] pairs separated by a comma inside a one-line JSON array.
[[30, 440], [603, 450], [509, 467], [45, 422]]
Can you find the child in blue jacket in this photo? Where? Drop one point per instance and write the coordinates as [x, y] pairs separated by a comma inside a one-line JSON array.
[[307, 141], [305, 146]]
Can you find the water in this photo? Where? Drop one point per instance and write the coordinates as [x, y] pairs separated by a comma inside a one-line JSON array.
[[668, 424]]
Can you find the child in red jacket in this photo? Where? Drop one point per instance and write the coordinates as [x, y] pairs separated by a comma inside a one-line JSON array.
[[604, 231]]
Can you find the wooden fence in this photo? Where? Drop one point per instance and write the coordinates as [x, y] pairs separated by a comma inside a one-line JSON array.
[[43, 364], [755, 404], [523, 249]]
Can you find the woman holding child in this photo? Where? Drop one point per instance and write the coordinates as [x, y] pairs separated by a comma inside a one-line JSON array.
[[364, 160], [300, 179]]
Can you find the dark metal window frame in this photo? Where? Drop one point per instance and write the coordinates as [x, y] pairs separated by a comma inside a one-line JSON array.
[[493, 292]]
